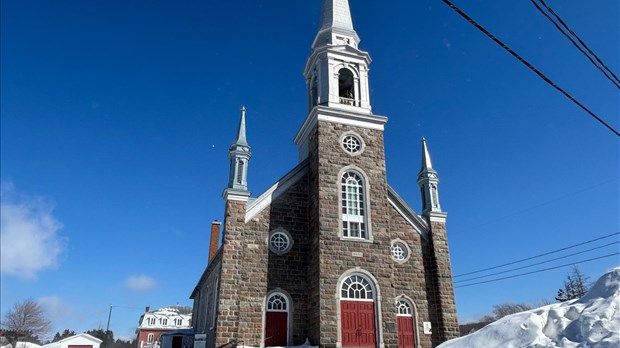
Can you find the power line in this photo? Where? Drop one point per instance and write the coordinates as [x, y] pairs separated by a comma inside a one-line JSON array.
[[536, 264], [542, 204], [539, 255], [530, 66], [538, 271], [590, 54]]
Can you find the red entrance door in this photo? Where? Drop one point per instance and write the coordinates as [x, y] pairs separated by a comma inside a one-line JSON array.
[[276, 332], [358, 323], [405, 332]]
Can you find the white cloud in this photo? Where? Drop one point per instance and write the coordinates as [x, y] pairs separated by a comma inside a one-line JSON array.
[[140, 283], [28, 234]]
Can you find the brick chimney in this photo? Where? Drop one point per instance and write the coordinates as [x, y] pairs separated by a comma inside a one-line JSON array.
[[147, 309], [215, 239]]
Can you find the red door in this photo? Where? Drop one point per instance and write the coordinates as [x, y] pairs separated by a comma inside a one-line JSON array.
[[405, 332], [358, 323], [276, 332]]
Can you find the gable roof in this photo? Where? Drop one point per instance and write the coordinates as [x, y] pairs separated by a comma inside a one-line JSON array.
[[264, 200], [415, 220]]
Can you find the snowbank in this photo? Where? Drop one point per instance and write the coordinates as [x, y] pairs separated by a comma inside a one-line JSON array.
[[590, 322], [305, 345]]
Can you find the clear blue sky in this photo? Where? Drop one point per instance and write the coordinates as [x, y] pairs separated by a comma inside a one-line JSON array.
[[117, 117]]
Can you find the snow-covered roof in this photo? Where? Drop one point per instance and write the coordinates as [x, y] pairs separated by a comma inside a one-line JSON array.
[[27, 345], [590, 322]]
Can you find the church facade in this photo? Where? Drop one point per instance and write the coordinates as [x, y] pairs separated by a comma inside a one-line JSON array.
[[330, 253]]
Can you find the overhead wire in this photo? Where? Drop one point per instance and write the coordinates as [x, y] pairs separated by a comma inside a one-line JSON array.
[[563, 28], [530, 66], [536, 264], [539, 255], [538, 271]]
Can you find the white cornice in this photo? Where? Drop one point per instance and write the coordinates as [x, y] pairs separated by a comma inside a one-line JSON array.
[[352, 53], [231, 194], [416, 221], [264, 200], [323, 113]]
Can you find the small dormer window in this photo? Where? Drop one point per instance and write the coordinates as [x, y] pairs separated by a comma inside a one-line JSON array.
[[151, 321]]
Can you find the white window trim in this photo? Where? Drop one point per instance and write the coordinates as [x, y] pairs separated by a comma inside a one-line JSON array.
[[367, 207], [359, 137], [287, 234], [398, 240]]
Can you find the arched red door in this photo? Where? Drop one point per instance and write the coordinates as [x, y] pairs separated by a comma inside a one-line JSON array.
[[357, 313], [276, 321], [406, 332]]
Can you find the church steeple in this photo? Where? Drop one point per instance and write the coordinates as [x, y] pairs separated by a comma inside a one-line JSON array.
[[337, 76], [239, 156], [428, 181], [337, 71]]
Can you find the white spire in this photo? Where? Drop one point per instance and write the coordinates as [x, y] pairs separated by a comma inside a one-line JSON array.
[[426, 158], [336, 27], [428, 181], [239, 156], [241, 131]]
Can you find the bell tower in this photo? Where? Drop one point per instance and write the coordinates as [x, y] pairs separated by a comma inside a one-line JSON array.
[[337, 76], [337, 71]]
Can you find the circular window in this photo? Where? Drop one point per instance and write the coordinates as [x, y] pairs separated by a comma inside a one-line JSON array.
[[352, 144], [280, 242], [400, 251]]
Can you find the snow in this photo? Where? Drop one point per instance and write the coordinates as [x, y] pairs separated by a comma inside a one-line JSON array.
[[305, 345], [592, 321]]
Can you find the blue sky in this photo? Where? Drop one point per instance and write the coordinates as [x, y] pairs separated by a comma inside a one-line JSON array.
[[117, 117]]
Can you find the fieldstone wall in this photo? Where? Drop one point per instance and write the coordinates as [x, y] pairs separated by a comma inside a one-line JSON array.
[[440, 286], [250, 271]]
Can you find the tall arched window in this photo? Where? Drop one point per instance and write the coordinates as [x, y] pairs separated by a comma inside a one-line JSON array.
[[346, 89], [353, 206]]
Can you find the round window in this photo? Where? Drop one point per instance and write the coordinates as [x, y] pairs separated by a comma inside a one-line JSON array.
[[400, 252], [280, 242], [352, 144]]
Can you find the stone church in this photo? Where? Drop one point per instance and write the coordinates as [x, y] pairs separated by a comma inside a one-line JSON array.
[[330, 253]]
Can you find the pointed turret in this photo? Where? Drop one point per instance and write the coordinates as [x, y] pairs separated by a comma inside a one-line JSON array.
[[428, 181], [336, 27], [239, 156]]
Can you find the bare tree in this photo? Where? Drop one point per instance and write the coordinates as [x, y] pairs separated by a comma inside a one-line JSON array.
[[504, 309], [26, 318]]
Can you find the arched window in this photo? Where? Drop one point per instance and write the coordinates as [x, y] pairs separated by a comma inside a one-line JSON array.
[[240, 172], [356, 287], [346, 89], [353, 206], [403, 308], [277, 303]]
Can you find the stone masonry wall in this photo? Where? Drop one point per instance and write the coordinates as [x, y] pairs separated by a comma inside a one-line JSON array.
[[337, 256], [442, 294], [257, 271]]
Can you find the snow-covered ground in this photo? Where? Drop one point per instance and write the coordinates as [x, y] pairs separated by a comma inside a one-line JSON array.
[[592, 321]]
